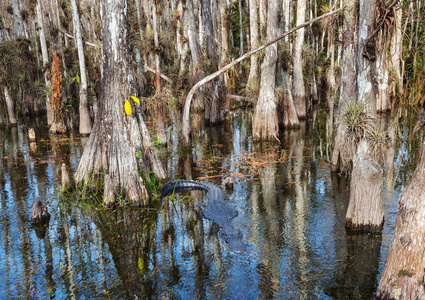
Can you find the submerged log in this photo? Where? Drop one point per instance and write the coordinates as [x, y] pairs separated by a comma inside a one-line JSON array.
[[39, 213]]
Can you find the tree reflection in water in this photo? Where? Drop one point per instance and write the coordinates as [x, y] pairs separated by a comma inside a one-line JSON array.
[[291, 213]]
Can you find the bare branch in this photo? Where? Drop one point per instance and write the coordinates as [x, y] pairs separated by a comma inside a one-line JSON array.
[[186, 112]]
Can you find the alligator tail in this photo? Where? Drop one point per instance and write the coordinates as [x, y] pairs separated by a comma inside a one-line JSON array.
[[180, 185]]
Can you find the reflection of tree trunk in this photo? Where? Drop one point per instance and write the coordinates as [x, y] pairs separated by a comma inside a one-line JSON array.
[[130, 236], [268, 201], [356, 275], [300, 206], [195, 231], [389, 174], [69, 265], [404, 270]]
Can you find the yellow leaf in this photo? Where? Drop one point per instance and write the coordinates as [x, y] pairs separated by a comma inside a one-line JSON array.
[[135, 99], [127, 108], [141, 264]]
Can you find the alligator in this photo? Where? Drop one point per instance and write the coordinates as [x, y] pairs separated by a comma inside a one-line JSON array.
[[214, 209]]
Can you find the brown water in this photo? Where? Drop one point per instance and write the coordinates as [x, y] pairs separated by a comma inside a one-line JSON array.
[[291, 213]]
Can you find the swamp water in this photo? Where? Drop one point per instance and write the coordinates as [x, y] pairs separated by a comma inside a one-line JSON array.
[[291, 213]]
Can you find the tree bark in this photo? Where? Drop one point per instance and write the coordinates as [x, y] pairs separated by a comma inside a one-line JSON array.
[[253, 25], [224, 11], [365, 209], [265, 124], [58, 125], [380, 68], [197, 67], [18, 21], [366, 47], [240, 27], [263, 19], [396, 54], [290, 117], [85, 126], [46, 67], [216, 109], [348, 89], [288, 19], [116, 136], [156, 41], [10, 106], [298, 82], [404, 270]]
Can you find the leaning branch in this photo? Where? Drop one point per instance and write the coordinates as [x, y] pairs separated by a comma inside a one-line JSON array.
[[186, 112], [162, 75]]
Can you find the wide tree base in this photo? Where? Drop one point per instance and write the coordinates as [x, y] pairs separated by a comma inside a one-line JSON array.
[[365, 209], [265, 124]]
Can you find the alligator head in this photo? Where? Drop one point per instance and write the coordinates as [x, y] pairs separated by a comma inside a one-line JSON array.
[[233, 238]]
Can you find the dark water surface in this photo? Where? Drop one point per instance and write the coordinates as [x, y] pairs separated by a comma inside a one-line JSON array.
[[291, 213]]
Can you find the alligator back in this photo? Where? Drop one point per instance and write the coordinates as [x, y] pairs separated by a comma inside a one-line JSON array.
[[215, 210], [180, 185]]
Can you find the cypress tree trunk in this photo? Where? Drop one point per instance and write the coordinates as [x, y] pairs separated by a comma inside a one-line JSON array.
[[298, 88], [240, 27], [265, 125], [216, 110], [348, 89], [366, 55], [396, 54], [198, 103], [46, 66], [365, 209], [58, 125], [253, 25], [224, 10], [403, 275], [18, 21], [85, 126], [10, 106], [116, 136]]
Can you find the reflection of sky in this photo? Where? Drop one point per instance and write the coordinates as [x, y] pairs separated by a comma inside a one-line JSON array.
[[281, 260]]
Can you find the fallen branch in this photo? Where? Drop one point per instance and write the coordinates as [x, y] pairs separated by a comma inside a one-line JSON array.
[[187, 104], [162, 75]]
